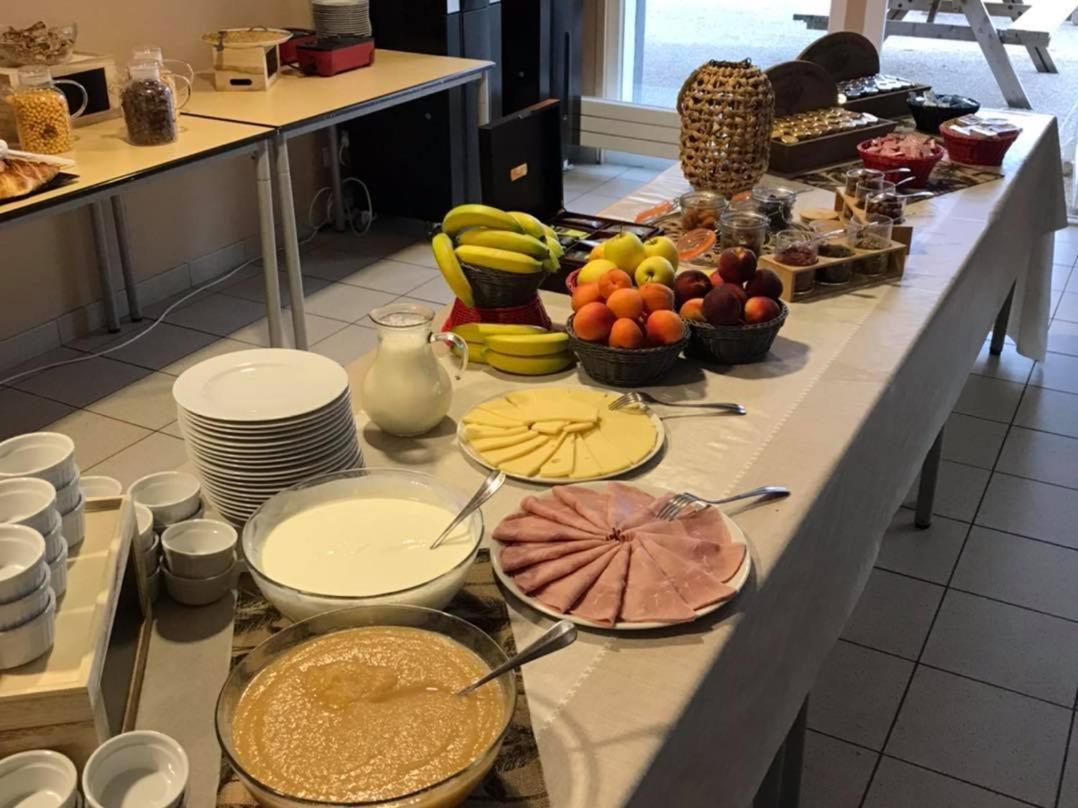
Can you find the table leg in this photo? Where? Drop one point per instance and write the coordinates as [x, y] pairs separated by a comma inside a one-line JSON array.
[[483, 91], [339, 221], [995, 54], [264, 184], [108, 289], [292, 267], [999, 331], [926, 490], [119, 214]]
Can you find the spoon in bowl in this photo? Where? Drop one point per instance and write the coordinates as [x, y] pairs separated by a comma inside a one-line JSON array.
[[558, 636], [491, 483]]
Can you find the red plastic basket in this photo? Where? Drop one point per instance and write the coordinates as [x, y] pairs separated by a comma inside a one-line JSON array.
[[531, 313], [571, 281], [977, 151], [921, 168]]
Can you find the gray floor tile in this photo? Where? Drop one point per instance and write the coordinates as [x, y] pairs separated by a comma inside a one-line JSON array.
[[620, 186], [220, 346], [24, 412], [958, 490], [985, 397], [1068, 307], [254, 288], [643, 174], [390, 276], [1009, 365], [435, 290], [1040, 456], [1061, 274], [341, 301], [1068, 794], [1007, 646], [930, 554], [857, 694], [1057, 372], [418, 253], [217, 314], [334, 263], [1029, 508], [147, 403], [900, 785], [1049, 410], [96, 436], [162, 346], [835, 773], [592, 203], [385, 237], [81, 383], [348, 344], [982, 734], [156, 452], [894, 614], [1063, 336], [257, 333], [1021, 571], [973, 441]]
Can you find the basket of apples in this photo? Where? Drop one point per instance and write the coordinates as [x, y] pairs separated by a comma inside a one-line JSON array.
[[734, 314], [627, 335]]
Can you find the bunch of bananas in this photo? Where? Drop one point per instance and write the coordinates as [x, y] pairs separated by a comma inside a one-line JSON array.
[[526, 350], [493, 239]]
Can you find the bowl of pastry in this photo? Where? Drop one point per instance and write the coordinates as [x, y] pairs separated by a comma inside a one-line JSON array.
[[360, 707], [360, 537]]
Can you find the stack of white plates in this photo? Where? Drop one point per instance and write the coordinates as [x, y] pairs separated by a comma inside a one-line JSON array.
[[256, 422], [341, 17]]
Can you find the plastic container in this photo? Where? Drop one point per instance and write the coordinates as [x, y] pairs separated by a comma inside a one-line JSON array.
[[737, 229], [701, 209]]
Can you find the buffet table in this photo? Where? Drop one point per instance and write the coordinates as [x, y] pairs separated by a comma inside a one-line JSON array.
[[842, 412]]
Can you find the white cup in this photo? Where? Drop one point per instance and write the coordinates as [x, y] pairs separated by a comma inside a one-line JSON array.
[[141, 769]]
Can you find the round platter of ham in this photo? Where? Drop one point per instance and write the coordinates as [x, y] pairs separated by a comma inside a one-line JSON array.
[[597, 555]]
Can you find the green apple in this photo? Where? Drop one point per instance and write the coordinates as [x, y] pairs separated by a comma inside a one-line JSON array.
[[661, 245], [655, 269], [626, 250], [593, 270]]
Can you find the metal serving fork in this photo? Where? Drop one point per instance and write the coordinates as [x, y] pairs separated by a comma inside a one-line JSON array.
[[640, 397], [679, 502]]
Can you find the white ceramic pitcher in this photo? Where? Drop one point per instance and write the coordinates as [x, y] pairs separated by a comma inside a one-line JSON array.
[[407, 391]]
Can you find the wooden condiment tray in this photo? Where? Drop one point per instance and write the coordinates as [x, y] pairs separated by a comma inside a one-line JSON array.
[[895, 255]]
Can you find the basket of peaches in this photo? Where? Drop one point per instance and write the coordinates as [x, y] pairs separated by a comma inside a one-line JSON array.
[[625, 329], [734, 313]]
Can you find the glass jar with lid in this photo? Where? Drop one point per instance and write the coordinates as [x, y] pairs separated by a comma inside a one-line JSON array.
[[149, 105], [42, 115], [170, 69], [740, 229], [701, 209], [777, 204]]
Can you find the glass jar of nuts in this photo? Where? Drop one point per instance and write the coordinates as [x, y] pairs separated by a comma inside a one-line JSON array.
[[150, 105], [701, 209], [42, 116]]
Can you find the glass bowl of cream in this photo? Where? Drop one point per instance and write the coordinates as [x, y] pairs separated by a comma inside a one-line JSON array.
[[360, 537]]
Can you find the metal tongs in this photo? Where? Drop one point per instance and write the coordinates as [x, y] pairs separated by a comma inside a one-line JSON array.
[[48, 159]]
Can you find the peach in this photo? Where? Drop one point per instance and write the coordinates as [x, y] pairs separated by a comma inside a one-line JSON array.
[[691, 283], [716, 279], [585, 293], [625, 333], [665, 327], [724, 304], [761, 309], [765, 283], [737, 264], [593, 322], [693, 310], [626, 303], [612, 280], [657, 297]]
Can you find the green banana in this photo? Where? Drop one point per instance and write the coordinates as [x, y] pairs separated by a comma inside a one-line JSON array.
[[554, 246], [532, 226], [442, 246], [504, 240], [463, 216], [502, 260]]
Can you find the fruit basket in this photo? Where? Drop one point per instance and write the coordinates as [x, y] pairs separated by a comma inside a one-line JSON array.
[[494, 289], [734, 344], [624, 367]]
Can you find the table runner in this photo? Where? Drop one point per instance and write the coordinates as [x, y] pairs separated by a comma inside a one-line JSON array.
[[517, 776]]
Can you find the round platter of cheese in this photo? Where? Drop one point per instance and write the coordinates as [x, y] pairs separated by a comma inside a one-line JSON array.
[[598, 555], [559, 435]]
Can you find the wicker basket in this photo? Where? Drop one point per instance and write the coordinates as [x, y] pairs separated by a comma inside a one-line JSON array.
[[622, 367], [726, 112], [734, 344], [494, 289]]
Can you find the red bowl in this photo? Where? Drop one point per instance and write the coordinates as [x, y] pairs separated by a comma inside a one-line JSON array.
[[977, 151], [921, 168]]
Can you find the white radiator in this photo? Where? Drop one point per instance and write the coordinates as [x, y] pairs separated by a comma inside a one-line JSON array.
[[606, 124]]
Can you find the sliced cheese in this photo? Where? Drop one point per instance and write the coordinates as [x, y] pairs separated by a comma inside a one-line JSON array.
[[580, 426], [608, 455], [549, 427], [481, 417], [552, 404], [496, 457], [560, 463], [501, 442], [473, 431], [633, 432], [528, 465], [589, 396], [501, 406], [584, 464]]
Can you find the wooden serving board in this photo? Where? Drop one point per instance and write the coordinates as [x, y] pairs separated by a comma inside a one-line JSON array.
[[895, 256]]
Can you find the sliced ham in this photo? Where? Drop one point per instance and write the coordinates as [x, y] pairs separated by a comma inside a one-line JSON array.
[[544, 572], [693, 582], [557, 511], [624, 501], [588, 502], [707, 524], [649, 594], [721, 560], [602, 602], [564, 592], [532, 528], [523, 554]]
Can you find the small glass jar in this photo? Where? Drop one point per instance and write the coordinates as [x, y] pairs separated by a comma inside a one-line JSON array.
[[856, 175], [42, 116], [777, 204], [887, 202], [701, 209], [795, 248], [872, 234], [743, 230], [868, 187], [835, 274], [149, 105]]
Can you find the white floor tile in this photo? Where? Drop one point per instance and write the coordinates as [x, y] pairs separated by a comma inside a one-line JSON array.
[[835, 773], [620, 187], [161, 346], [578, 185], [1068, 794], [1063, 337], [435, 290], [642, 174], [147, 402], [254, 288], [384, 237], [1067, 308], [221, 346], [857, 694], [592, 203], [929, 554], [1061, 274], [603, 171], [173, 429], [900, 785], [156, 452], [348, 344], [217, 314], [893, 614], [1050, 411], [1020, 571], [1009, 365], [341, 301], [1057, 372], [390, 276], [973, 441], [80, 383], [958, 490], [1006, 646], [1041, 456], [974, 732], [24, 412], [257, 333], [96, 437], [332, 264], [419, 254], [1032, 509], [994, 399]]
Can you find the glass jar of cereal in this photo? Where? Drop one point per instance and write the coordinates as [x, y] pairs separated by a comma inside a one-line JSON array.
[[42, 116]]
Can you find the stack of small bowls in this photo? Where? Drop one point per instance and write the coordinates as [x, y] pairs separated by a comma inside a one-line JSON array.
[[39, 777], [49, 456], [97, 485], [148, 543], [200, 561], [27, 600], [31, 502], [171, 496]]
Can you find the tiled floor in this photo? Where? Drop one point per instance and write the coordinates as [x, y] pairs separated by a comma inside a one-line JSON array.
[[955, 683]]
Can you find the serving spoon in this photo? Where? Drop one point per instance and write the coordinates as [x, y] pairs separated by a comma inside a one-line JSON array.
[[561, 635], [491, 483]]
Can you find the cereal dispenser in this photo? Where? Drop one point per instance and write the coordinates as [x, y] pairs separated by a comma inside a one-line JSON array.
[[42, 116]]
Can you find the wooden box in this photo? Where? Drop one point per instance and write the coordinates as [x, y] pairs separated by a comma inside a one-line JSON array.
[[97, 75], [85, 690], [847, 207], [247, 67], [894, 256]]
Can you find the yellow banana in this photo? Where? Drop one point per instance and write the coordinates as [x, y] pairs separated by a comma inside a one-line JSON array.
[[479, 332], [476, 353], [504, 240], [532, 226], [529, 365], [442, 246], [463, 216], [529, 344], [554, 246], [502, 260]]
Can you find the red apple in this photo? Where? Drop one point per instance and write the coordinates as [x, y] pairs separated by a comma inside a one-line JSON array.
[[760, 310], [691, 283], [765, 283], [737, 264], [725, 304]]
